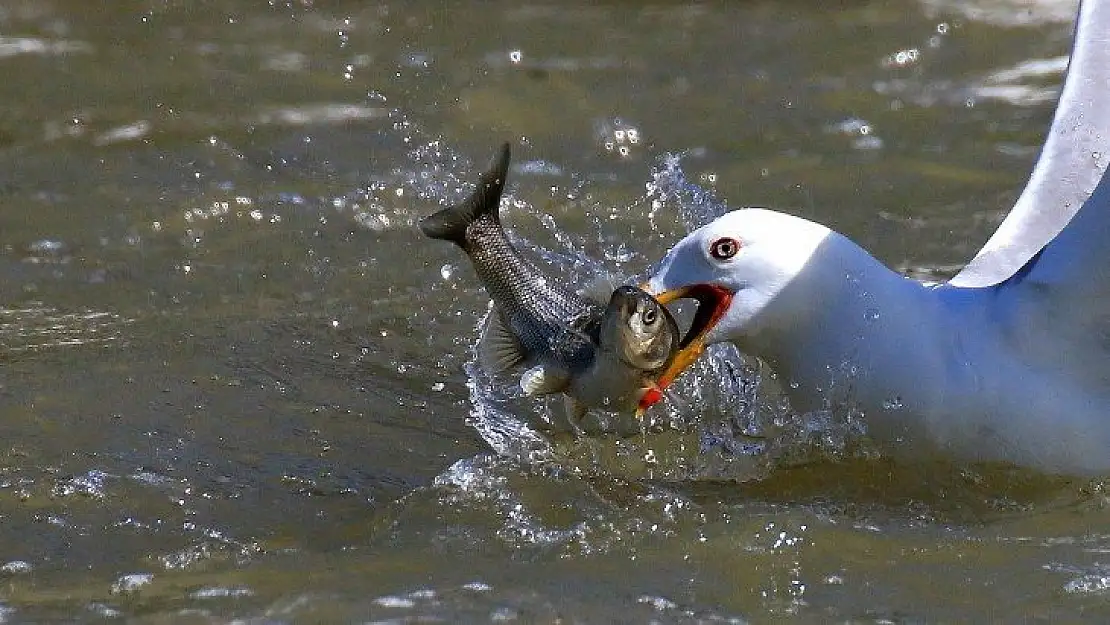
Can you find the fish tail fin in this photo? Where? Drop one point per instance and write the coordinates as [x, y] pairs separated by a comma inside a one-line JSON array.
[[450, 223]]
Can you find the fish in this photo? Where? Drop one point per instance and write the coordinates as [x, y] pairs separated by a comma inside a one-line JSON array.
[[598, 353]]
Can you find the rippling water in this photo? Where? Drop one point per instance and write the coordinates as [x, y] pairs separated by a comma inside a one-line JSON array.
[[237, 384]]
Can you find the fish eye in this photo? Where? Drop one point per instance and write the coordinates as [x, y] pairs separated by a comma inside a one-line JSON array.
[[648, 316], [724, 248]]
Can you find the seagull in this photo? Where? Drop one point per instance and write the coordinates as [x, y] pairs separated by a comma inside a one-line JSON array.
[[1008, 361]]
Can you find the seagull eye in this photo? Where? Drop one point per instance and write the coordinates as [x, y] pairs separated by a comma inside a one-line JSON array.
[[725, 248]]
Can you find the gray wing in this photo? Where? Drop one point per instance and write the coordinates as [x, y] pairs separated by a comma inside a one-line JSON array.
[[1071, 163]]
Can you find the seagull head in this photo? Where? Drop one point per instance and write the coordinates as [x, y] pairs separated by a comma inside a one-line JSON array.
[[737, 268]]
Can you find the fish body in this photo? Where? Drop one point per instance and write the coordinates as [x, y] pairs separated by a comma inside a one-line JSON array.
[[599, 354]]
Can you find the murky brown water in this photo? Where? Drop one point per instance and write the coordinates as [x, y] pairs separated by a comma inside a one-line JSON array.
[[233, 375]]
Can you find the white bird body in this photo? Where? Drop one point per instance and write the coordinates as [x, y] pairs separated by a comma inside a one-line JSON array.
[[976, 372], [1010, 360]]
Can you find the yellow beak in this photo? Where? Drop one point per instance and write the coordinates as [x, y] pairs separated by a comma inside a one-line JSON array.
[[713, 302]]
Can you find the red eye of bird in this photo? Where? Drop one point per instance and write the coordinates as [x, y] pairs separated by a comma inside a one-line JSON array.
[[725, 248]]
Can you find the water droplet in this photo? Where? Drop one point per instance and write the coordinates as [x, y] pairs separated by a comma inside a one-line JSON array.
[[649, 457], [894, 403], [47, 247], [871, 314], [16, 567], [902, 58], [515, 56], [447, 271], [868, 142], [438, 386], [127, 584]]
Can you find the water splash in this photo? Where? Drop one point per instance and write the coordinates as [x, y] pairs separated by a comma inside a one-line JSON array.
[[491, 414], [712, 409], [669, 190], [720, 420]]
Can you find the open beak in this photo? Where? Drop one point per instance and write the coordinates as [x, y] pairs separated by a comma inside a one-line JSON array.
[[713, 301]]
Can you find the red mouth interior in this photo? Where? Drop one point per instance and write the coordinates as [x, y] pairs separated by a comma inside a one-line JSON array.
[[713, 301]]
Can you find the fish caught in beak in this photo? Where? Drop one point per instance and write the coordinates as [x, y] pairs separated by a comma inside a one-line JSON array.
[[713, 301]]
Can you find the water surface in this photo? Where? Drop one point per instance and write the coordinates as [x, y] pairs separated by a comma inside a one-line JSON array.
[[235, 378]]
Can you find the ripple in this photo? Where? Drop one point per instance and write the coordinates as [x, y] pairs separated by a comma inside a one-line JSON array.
[[131, 583], [1012, 86], [389, 601], [42, 327], [16, 567], [1006, 12], [221, 592], [14, 46], [128, 132], [860, 131], [525, 61], [481, 481], [324, 113], [1088, 584], [90, 484]]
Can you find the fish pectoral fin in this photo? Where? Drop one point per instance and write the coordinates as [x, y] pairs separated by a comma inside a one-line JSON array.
[[498, 348], [575, 413], [599, 289], [544, 380]]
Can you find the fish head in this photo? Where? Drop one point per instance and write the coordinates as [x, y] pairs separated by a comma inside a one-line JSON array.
[[639, 330]]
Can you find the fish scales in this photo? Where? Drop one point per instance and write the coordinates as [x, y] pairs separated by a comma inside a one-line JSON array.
[[545, 315]]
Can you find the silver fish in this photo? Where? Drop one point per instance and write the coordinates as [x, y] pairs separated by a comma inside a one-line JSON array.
[[598, 354]]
